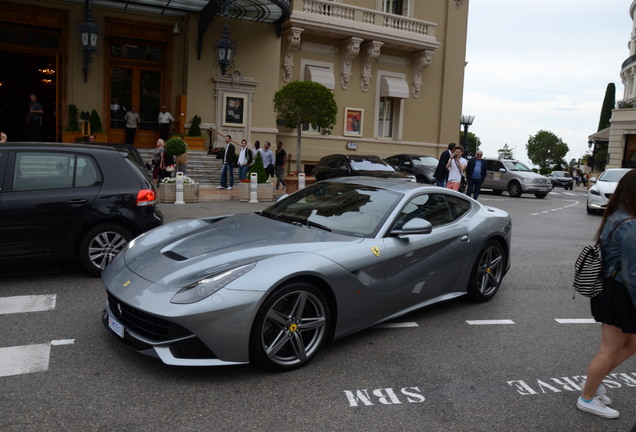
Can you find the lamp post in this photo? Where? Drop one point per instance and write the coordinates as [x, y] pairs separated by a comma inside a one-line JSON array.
[[88, 32], [225, 47], [467, 120]]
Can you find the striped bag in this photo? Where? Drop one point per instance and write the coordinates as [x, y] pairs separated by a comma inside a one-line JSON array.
[[588, 277]]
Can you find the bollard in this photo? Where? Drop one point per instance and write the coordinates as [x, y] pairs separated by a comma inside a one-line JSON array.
[[179, 188], [301, 180], [253, 188]]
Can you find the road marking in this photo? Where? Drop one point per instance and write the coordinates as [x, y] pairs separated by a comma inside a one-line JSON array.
[[575, 320], [489, 322], [21, 304], [62, 342], [19, 360], [397, 325]]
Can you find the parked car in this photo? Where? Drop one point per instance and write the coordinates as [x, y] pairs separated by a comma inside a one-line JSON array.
[[328, 260], [341, 165], [516, 178], [561, 179], [602, 189], [422, 167], [71, 201]]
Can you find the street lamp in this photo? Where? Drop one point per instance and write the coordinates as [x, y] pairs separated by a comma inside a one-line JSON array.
[[88, 31], [467, 120], [225, 47]]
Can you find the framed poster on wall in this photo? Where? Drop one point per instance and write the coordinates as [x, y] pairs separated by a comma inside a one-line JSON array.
[[353, 121], [234, 110]]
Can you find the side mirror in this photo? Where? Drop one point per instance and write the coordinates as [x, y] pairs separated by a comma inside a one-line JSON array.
[[412, 227], [592, 179], [502, 170]]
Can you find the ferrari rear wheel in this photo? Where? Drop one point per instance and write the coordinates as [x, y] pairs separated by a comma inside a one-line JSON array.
[[487, 273], [290, 327]]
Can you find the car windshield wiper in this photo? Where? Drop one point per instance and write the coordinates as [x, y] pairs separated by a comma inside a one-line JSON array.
[[301, 222]]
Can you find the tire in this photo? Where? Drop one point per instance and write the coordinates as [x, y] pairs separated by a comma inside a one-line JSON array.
[[514, 189], [100, 245], [497, 191], [284, 337], [488, 272], [541, 195]]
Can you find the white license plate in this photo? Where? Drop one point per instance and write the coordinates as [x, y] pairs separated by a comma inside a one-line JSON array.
[[115, 326]]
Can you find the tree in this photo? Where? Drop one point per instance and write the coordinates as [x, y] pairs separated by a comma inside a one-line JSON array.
[[505, 152], [546, 149], [472, 143], [608, 106], [305, 102]]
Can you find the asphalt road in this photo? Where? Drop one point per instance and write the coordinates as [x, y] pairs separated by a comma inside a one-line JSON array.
[[510, 364]]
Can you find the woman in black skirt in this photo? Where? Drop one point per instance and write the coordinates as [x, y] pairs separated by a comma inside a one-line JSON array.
[[615, 306]]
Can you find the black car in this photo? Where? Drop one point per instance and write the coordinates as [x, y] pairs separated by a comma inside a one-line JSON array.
[[61, 202], [561, 179], [341, 165], [422, 167]]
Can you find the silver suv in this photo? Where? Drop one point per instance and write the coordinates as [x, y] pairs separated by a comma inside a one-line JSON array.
[[516, 178]]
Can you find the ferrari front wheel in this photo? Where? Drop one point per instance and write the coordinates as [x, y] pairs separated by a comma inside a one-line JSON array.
[[290, 327]]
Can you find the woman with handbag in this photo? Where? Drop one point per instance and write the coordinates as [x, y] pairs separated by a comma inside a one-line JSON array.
[[615, 306]]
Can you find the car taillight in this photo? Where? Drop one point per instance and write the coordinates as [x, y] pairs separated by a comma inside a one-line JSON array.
[[146, 197]]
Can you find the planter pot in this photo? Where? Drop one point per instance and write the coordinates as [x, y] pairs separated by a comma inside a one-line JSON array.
[[195, 143], [168, 192], [291, 183], [264, 192]]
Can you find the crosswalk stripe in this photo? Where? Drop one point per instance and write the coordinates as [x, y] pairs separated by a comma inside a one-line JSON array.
[[21, 304], [575, 320], [24, 359], [490, 322], [398, 325]]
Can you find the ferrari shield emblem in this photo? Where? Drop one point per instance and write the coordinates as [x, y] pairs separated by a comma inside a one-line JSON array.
[[375, 250]]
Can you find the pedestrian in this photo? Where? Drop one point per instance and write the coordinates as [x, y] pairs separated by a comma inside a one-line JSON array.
[[132, 123], [615, 306], [268, 159], [476, 170], [182, 162], [165, 119], [244, 160], [157, 160], [34, 118], [229, 160], [456, 167], [281, 160], [441, 172]]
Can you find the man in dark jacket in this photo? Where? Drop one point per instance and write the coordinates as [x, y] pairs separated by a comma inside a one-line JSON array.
[[229, 161], [441, 172], [476, 171]]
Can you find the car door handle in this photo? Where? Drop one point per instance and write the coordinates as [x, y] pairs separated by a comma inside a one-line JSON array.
[[76, 202], [464, 238]]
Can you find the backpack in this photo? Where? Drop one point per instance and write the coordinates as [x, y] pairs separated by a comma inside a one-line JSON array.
[[588, 276]]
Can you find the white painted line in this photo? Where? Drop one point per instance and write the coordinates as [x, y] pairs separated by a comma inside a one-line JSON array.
[[489, 322], [24, 359], [397, 325], [20, 304], [62, 342], [575, 320]]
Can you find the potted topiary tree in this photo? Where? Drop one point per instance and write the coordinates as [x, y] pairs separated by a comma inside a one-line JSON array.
[[72, 132], [195, 139], [96, 127], [265, 189], [176, 146]]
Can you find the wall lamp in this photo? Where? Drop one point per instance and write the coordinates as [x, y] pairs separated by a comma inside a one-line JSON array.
[[88, 31]]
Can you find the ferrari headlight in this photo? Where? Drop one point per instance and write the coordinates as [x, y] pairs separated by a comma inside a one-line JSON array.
[[206, 287]]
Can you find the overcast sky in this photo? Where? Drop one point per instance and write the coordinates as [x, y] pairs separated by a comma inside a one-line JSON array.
[[542, 65]]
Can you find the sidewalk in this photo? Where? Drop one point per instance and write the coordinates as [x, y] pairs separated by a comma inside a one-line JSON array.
[[209, 192]]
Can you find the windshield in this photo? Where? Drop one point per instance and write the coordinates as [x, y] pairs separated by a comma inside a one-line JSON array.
[[425, 161], [339, 207], [515, 166], [612, 175], [369, 163]]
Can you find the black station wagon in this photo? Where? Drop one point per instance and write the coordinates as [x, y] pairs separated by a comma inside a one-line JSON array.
[[60, 202]]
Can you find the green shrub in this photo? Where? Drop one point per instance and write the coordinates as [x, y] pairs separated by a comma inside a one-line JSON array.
[[73, 126], [258, 168], [176, 146], [96, 122]]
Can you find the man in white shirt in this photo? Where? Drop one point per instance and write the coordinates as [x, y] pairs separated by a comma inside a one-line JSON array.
[[165, 118], [244, 160], [268, 159], [456, 166]]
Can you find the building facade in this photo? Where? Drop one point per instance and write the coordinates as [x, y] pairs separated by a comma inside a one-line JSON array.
[[396, 69]]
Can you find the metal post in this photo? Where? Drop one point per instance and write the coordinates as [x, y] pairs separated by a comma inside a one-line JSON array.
[[253, 188], [301, 180], [179, 188]]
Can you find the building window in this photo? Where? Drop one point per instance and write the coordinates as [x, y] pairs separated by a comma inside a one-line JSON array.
[[395, 7], [385, 120]]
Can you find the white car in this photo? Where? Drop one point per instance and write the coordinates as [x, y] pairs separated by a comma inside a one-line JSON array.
[[603, 188]]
